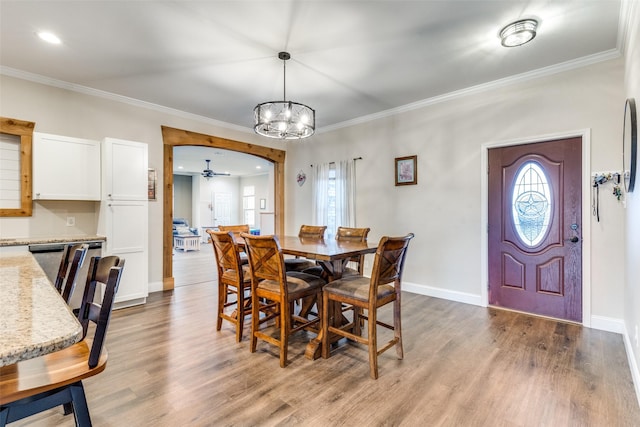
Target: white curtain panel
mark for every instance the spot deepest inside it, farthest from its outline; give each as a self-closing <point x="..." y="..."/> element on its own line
<point x="345" y="194"/>
<point x="345" y="184"/>
<point x="321" y="194"/>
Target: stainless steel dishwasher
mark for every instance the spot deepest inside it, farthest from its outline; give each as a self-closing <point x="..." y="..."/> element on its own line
<point x="49" y="255"/>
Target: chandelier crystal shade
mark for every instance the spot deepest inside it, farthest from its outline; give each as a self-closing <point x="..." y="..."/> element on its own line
<point x="284" y="119"/>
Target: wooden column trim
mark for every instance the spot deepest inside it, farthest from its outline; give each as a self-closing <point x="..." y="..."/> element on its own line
<point x="177" y="137"/>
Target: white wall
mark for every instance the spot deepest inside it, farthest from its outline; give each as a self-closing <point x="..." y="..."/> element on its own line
<point x="632" y="243"/>
<point x="182" y="198"/>
<point x="71" y="113"/>
<point x="444" y="209"/>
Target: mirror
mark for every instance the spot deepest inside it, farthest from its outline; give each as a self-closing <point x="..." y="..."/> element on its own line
<point x="16" y="138"/>
<point x="630" y="145"/>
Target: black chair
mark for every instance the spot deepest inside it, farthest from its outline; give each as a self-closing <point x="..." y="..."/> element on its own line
<point x="72" y="259"/>
<point x="42" y="383"/>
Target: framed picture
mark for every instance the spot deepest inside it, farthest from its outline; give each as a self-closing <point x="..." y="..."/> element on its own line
<point x="406" y="170"/>
<point x="152" y="182"/>
<point x="263" y="203"/>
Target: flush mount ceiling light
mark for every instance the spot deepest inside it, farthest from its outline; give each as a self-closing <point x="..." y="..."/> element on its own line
<point x="519" y="32"/>
<point x="284" y="119"/>
<point x="49" y="37"/>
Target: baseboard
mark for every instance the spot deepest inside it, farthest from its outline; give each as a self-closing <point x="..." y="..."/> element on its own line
<point x="633" y="365"/>
<point x="155" y="287"/>
<point x="447" y="294"/>
<point x="608" y="324"/>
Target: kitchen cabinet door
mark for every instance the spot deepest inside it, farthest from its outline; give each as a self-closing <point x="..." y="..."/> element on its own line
<point x="125" y="167"/>
<point x="127" y="237"/>
<point x="65" y="168"/>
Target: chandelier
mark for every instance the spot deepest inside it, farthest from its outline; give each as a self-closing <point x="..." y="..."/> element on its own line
<point x="284" y="119"/>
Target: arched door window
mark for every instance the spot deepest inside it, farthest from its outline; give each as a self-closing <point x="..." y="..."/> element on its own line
<point x="531" y="203"/>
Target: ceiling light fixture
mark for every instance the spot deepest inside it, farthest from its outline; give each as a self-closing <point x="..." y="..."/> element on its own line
<point x="284" y="119"/>
<point x="519" y="32"/>
<point x="49" y="37"/>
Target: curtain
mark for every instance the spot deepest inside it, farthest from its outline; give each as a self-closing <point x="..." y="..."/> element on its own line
<point x="345" y="194"/>
<point x="344" y="201"/>
<point x="320" y="203"/>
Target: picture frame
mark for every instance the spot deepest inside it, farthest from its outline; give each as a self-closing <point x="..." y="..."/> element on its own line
<point x="263" y="204"/>
<point x="406" y="170"/>
<point x="152" y="179"/>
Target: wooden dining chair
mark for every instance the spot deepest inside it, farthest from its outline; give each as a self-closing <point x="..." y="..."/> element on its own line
<point x="234" y="280"/>
<point x="362" y="293"/>
<point x="35" y="385"/>
<point x="346" y="234"/>
<point x="305" y="232"/>
<point x="72" y="259"/>
<point x="273" y="292"/>
<point x="237" y="230"/>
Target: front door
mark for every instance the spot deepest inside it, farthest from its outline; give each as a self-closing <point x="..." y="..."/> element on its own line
<point x="535" y="243"/>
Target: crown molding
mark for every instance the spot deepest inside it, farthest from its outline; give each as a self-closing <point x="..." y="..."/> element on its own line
<point x="496" y="84"/>
<point x="37" y="78"/>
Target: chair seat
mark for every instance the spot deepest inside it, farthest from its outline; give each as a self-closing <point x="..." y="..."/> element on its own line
<point x="298" y="264"/>
<point x="232" y="275"/>
<point x="317" y="270"/>
<point x="48" y="372"/>
<point x="297" y="283"/>
<point x="357" y="287"/>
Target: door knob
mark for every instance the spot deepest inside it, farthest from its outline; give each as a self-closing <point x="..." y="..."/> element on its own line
<point x="574" y="239"/>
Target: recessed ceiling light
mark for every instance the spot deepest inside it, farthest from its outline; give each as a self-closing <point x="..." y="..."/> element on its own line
<point x="518" y="33"/>
<point x="49" y="37"/>
<point x="180" y="167"/>
<point x="258" y="167"/>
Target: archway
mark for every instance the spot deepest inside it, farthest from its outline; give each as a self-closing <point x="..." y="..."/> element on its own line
<point x="176" y="137"/>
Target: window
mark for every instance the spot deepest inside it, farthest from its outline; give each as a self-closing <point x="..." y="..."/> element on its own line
<point x="531" y="204"/>
<point x="334" y="198"/>
<point x="249" y="205"/>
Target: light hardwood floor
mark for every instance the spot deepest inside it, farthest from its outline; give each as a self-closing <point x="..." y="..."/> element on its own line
<point x="464" y="366"/>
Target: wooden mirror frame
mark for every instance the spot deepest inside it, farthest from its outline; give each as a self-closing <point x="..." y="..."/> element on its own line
<point x="24" y="130"/>
<point x="176" y="137"/>
<point x="630" y="145"/>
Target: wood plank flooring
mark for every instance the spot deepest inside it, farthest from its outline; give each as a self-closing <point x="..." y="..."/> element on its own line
<point x="464" y="366"/>
<point x="193" y="267"/>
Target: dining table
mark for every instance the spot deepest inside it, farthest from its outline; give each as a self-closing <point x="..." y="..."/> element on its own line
<point x="333" y="256"/>
<point x="34" y="319"/>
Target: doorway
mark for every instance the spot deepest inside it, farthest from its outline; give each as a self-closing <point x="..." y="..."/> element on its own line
<point x="535" y="227"/>
<point x="177" y="137"/>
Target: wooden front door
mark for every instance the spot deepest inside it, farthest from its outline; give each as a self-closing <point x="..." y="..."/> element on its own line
<point x="535" y="237"/>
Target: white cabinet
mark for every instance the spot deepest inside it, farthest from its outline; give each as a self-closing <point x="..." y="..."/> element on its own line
<point x="126" y="226"/>
<point x="125" y="168"/>
<point x="124" y="218"/>
<point x="65" y="168"/>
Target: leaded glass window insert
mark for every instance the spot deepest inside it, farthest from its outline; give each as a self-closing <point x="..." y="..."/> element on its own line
<point x="531" y="203"/>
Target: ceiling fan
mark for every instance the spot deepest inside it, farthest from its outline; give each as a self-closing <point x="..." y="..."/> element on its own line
<point x="208" y="173"/>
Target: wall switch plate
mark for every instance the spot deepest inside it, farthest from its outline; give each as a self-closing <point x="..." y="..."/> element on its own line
<point x="71" y="221"/>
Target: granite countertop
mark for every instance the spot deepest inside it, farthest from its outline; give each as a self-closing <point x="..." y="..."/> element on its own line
<point x="24" y="241"/>
<point x="34" y="319"/>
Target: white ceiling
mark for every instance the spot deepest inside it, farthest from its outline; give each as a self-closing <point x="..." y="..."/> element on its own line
<point x="189" y="160"/>
<point x="351" y="60"/>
